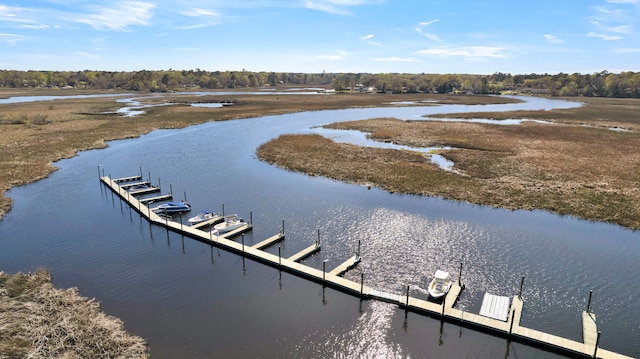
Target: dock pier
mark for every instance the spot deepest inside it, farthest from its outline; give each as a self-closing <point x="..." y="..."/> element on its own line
<point x="332" y="278"/>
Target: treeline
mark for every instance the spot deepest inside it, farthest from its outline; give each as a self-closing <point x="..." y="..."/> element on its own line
<point x="600" y="84"/>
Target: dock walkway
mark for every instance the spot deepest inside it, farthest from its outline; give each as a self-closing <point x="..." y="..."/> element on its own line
<point x="445" y="310"/>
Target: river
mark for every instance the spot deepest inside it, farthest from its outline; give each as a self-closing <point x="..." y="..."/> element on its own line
<point x="190" y="300"/>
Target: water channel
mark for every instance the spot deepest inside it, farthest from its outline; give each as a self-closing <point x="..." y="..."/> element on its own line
<point x="190" y="300"/>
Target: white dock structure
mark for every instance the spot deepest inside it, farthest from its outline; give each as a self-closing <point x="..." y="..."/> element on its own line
<point x="509" y="328"/>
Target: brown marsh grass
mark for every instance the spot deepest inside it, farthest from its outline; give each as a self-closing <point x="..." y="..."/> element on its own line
<point x="577" y="166"/>
<point x="40" y="321"/>
<point x="36" y="134"/>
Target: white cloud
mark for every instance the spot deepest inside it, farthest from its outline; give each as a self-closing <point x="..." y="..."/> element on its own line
<point x="468" y="52"/>
<point x="11" y="39"/>
<point x="368" y="38"/>
<point x="120" y="16"/>
<point x="337" y="7"/>
<point x="397" y="59"/>
<point x="629" y="2"/>
<point x="604" y="36"/>
<point x="627" y="51"/>
<point x="553" y="39"/>
<point x="198" y="12"/>
<point x="427" y="23"/>
<point x="340" y="55"/>
<point x="429" y="36"/>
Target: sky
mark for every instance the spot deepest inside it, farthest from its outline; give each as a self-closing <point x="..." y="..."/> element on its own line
<point x="312" y="36"/>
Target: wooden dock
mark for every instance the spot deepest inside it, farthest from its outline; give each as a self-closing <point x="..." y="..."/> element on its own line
<point x="445" y="310"/>
<point x="160" y="198"/>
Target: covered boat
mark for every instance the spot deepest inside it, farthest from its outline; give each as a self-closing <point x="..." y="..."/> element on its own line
<point x="440" y="284"/>
<point x="173" y="207"/>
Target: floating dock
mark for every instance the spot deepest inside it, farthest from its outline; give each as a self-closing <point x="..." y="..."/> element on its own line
<point x="509" y="328"/>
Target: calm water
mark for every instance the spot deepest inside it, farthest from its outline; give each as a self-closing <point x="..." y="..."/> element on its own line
<point x="194" y="301"/>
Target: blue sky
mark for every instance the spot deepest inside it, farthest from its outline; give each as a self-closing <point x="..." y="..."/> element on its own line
<point x="375" y="36"/>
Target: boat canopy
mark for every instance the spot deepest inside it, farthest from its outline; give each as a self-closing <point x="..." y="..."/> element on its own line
<point x="442" y="275"/>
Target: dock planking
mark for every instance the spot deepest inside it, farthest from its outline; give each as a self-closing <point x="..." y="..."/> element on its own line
<point x="345" y="266"/>
<point x="160" y="198"/>
<point x="208" y="222"/>
<point x="305" y="253"/>
<point x="445" y="310"/>
<point x="269" y="241"/>
<point x="138" y="192"/>
<point x="127" y="179"/>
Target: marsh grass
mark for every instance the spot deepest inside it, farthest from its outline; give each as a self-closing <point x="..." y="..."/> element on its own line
<point x="40" y="321"/>
<point x="577" y="166"/>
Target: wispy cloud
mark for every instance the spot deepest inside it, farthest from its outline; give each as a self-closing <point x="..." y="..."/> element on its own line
<point x="339" y="55"/>
<point x="553" y="39"/>
<point x="420" y="30"/>
<point x="368" y="38"/>
<point x="627" y="51"/>
<point x="338" y="7"/>
<point x="119" y="16"/>
<point x="397" y="59"/>
<point x="604" y="36"/>
<point x="11" y="39"/>
<point x="467" y="52"/>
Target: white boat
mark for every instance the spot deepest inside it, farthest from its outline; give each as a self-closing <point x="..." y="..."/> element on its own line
<point x="440" y="284"/>
<point x="173" y="207"/>
<point x="230" y="223"/>
<point x="202" y="216"/>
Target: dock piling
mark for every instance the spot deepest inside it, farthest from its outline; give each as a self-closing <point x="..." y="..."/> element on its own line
<point x="242" y="242"/>
<point x="521" y="284"/>
<point x="282" y="227"/>
<point x="595" y="350"/>
<point x="324" y="270"/>
<point x="513" y="314"/>
<point x="279" y="255"/>
<point x="406" y="302"/>
<point x="361" y="282"/>
<point x="460" y="275"/>
<point x="250" y="217"/>
<point x="589" y="302"/>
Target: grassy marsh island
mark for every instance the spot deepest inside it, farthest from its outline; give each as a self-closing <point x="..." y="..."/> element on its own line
<point x="585" y="163"/>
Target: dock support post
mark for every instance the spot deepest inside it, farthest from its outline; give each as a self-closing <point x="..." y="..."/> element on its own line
<point x="460" y="275"/>
<point x="521" y="284"/>
<point x="358" y="252"/>
<point x="181" y="230"/>
<point x="185" y="196"/>
<point x="250" y="217"/>
<point x="210" y="236"/>
<point x="282" y="231"/>
<point x="589" y="302"/>
<point x="444" y="301"/>
<point x="242" y="242"/>
<point x="159" y="186"/>
<point x="170" y="189"/>
<point x="223" y="210"/>
<point x="324" y="270"/>
<point x="318" y="240"/>
<point x="595" y="350"/>
<point x="406" y="302"/>
<point x="280" y="256"/>
<point x="361" y="283"/>
<point x="513" y="315"/>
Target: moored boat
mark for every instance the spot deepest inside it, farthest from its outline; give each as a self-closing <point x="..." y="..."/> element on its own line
<point x="230" y="223"/>
<point x="173" y="207"/>
<point x="440" y="284"/>
<point x="201" y="217"/>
